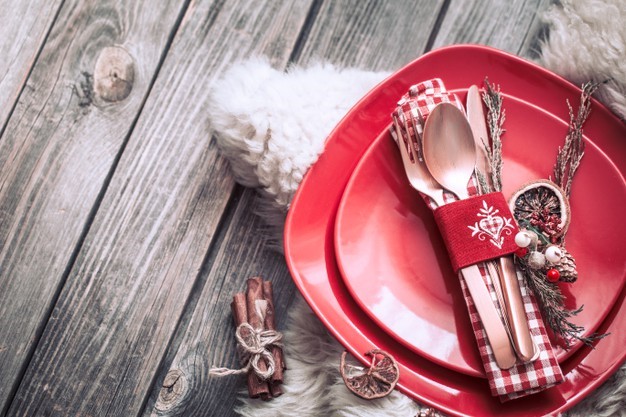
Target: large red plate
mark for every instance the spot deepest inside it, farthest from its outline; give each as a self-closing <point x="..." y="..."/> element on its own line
<point x="395" y="265"/>
<point x="309" y="248"/>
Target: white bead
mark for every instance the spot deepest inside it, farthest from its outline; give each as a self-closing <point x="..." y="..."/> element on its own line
<point x="554" y="254"/>
<point x="522" y="239"/>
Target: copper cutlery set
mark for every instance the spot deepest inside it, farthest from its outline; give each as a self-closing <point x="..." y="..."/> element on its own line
<point x="444" y="156"/>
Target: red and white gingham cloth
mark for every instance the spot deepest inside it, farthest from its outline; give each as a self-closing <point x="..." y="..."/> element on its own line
<point x="523" y="378"/>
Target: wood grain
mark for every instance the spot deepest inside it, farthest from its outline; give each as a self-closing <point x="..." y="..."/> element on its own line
<point x="136" y="270"/>
<point x="370" y="34"/>
<point x="25" y="25"/>
<point x="513" y="26"/>
<point x="56" y="153"/>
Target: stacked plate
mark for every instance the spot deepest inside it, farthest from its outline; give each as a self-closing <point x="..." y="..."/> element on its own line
<point x="365" y="253"/>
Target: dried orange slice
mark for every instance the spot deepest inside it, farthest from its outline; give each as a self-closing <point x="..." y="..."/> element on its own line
<point x="543" y="205"/>
<point x="374" y="382"/>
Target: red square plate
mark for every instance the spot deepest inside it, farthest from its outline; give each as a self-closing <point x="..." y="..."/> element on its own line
<point x="309" y="234"/>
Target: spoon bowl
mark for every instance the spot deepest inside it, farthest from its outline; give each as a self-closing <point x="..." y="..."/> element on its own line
<point x="449" y="149"/>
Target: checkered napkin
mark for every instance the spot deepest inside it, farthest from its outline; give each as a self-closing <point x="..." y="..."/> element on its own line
<point x="523" y="378"/>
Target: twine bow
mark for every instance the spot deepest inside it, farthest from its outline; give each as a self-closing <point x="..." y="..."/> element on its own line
<point x="254" y="344"/>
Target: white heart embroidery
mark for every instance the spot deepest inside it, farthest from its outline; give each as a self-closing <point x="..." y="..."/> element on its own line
<point x="491" y="226"/>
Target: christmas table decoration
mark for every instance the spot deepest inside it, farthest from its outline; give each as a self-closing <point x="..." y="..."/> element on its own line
<point x="377" y="381"/>
<point x="258" y="342"/>
<point x="523" y="378"/>
<point x="542" y="211"/>
<point x="325" y="396"/>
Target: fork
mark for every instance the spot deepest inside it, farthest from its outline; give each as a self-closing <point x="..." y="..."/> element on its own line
<point x="417" y="173"/>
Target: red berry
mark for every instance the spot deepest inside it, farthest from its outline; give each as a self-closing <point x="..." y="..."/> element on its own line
<point x="553" y="275"/>
<point x="521" y="252"/>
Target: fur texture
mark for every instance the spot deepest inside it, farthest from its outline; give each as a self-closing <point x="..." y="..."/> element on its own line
<point x="263" y="122"/>
<point x="271" y="125"/>
<point x="587" y="41"/>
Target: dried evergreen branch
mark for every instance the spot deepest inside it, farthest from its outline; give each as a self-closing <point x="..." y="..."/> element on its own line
<point x="495" y="120"/>
<point x="570" y="155"/>
<point x="554" y="312"/>
<point x="549" y="296"/>
<point x="482" y="181"/>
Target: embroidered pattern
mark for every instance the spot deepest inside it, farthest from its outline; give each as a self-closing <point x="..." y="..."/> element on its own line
<point x="491" y="226"/>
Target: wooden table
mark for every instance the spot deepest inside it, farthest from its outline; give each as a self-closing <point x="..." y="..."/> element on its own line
<point x="123" y="234"/>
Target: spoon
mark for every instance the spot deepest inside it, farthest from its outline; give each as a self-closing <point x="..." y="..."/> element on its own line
<point x="450" y="155"/>
<point x="449" y="149"/>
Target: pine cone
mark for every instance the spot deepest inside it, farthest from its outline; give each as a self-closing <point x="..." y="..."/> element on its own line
<point x="567" y="267"/>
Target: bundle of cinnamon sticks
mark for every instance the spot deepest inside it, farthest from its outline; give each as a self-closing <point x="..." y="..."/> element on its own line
<point x="245" y="308"/>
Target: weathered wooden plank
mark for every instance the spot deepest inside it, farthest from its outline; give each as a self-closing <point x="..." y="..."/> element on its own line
<point x="513" y="26"/>
<point x="56" y="153"/>
<point x="25" y="26"/>
<point x="206" y="338"/>
<point x="140" y="259"/>
<point x="370" y="34"/>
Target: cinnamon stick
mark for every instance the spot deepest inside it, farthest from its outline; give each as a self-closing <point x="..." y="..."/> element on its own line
<point x="256" y="387"/>
<point x="254" y="294"/>
<point x="277" y="352"/>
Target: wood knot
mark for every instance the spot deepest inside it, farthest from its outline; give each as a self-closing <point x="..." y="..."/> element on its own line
<point x="173" y="391"/>
<point x="114" y="74"/>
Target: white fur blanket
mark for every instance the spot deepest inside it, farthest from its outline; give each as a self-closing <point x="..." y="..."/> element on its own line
<point x="270" y="146"/>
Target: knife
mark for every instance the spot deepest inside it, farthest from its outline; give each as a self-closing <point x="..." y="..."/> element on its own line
<point x="476" y="117"/>
<point x="509" y="285"/>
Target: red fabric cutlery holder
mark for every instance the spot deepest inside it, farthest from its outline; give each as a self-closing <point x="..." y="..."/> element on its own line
<point x="477" y="229"/>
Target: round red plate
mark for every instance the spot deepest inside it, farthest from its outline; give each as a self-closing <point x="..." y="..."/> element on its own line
<point x="395" y="265"/>
<point x="310" y="254"/>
